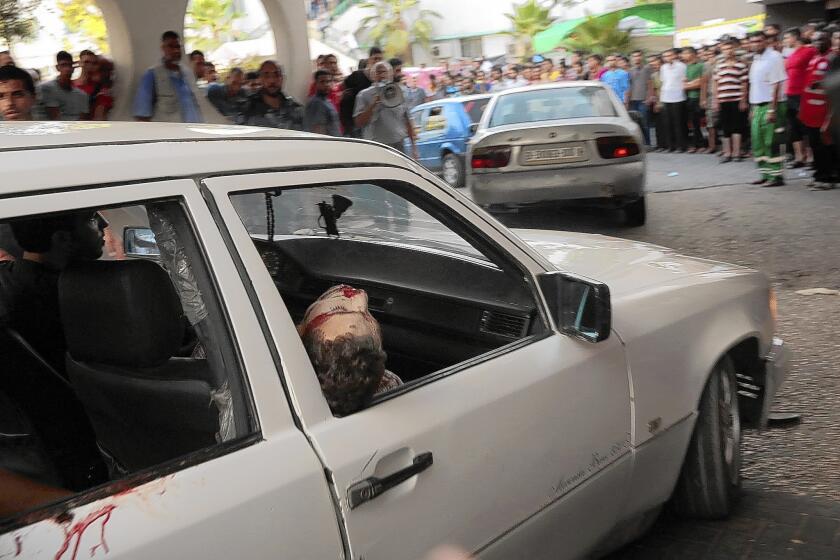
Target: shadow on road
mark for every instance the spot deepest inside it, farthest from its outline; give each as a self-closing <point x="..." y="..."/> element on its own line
<point x="568" y="218"/>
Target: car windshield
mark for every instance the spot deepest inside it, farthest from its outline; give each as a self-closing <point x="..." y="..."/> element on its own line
<point x="552" y="104"/>
<point x="374" y="215"/>
<point x="475" y="108"/>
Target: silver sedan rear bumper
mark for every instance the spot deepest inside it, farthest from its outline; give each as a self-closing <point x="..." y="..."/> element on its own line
<point x="570" y="183"/>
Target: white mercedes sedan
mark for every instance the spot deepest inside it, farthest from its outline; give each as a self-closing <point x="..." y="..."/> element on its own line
<point x="256" y="343"/>
<point x="559" y="142"/>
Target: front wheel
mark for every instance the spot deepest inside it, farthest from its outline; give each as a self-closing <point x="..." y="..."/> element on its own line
<point x="635" y="213"/>
<point x="453" y="170"/>
<point x="710" y="481"/>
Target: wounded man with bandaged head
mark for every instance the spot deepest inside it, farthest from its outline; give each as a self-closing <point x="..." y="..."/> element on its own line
<point x="344" y="342"/>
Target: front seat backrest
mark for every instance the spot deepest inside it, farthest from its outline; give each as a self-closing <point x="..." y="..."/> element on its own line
<point x="123" y="323"/>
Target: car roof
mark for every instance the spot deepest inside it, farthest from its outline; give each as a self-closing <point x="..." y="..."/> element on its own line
<point x="552" y="85"/>
<point x="33" y="135"/>
<point x="55" y="155"/>
<point x="459" y="99"/>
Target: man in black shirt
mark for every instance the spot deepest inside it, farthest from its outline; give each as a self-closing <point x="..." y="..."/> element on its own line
<point x="270" y="106"/>
<point x="30" y="284"/>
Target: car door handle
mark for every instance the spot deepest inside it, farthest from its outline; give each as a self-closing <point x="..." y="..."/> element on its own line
<point x="373" y="487"/>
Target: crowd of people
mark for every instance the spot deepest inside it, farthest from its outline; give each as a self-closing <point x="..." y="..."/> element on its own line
<point x="759" y="96"/>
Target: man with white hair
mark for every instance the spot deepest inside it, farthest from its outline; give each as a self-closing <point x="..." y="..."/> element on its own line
<point x="387" y="125"/>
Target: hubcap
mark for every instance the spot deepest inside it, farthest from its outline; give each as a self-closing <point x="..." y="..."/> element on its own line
<point x="730" y="426"/>
<point x="450" y="171"/>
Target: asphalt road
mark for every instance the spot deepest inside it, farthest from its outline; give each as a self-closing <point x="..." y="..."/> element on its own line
<point x="793" y="235"/>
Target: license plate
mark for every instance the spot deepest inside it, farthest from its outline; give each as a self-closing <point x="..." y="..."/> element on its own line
<point x="558" y="154"/>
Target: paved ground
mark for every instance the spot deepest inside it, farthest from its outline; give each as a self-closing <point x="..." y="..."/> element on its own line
<point x="792" y="505"/>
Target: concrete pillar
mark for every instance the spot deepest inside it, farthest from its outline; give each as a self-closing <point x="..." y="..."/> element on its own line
<point x="134" y="30"/>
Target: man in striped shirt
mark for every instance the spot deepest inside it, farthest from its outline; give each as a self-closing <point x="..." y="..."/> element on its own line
<point x="730" y="100"/>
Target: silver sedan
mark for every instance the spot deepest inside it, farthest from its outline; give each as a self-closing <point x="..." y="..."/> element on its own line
<point x="563" y="141"/>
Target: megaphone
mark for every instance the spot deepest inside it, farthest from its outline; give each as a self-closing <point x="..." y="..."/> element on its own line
<point x="391" y="95"/>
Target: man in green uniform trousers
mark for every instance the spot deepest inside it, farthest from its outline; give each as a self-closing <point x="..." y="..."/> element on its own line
<point x="767" y="77"/>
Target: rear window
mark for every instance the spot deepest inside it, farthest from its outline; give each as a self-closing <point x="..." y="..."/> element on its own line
<point x="475" y="108"/>
<point x="552" y="104"/>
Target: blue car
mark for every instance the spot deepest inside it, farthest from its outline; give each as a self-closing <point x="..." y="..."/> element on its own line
<point x="442" y="128"/>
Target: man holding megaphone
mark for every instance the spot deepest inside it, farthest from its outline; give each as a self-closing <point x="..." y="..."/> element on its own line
<point x="381" y="110"/>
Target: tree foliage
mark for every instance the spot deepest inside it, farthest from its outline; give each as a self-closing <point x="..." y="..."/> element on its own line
<point x="17" y="22"/>
<point x="532" y="17"/>
<point x="210" y="24"/>
<point x="83" y="18"/>
<point x="396" y="24"/>
<point x="599" y="34"/>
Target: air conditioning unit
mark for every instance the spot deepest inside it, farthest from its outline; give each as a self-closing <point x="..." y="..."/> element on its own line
<point x="441" y="50"/>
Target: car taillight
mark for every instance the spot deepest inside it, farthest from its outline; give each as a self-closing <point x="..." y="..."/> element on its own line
<point x="615" y="147"/>
<point x="491" y="158"/>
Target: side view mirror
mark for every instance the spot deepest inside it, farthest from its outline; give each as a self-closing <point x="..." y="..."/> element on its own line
<point x="580" y="307"/>
<point x="473" y="128"/>
<point x="140" y="242"/>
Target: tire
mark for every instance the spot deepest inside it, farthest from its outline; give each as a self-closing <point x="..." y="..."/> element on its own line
<point x="635" y="213"/>
<point x="710" y="481"/>
<point x="452" y="170"/>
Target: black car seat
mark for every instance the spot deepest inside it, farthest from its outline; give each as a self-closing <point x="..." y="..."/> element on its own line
<point x="124" y="323"/>
<point x="59" y="447"/>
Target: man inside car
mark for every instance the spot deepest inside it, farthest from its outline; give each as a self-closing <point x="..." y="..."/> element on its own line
<point x="30" y="284"/>
<point x="344" y="342"/>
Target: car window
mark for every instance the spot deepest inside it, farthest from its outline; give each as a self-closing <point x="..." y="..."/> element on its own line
<point x="552" y="104"/>
<point x="435" y="297"/>
<point x="436" y="121"/>
<point x="373" y="213"/>
<point x="475" y="108"/>
<point x="115" y="361"/>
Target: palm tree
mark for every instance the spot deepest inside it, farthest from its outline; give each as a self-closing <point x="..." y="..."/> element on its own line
<point x="599" y="34"/>
<point x="396" y="30"/>
<point x="209" y="23"/>
<point x="532" y="17"/>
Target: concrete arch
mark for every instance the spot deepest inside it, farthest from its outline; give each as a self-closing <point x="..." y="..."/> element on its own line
<point x="135" y="27"/>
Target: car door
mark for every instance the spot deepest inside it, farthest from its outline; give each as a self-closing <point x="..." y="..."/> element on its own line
<point x="418" y="117"/>
<point x="521" y="452"/>
<point x="237" y="498"/>
<point x="435" y="129"/>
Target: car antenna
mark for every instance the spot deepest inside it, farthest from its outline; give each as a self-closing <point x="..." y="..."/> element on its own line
<point x="330" y="213"/>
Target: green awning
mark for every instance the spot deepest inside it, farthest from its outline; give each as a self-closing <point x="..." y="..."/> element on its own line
<point x="660" y="18"/>
<point x="549" y="39"/>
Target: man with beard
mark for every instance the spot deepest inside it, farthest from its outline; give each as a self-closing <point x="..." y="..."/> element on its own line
<point x="270" y="106"/>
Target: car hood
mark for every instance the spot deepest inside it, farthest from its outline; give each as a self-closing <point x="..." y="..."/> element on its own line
<point x="623" y="265"/>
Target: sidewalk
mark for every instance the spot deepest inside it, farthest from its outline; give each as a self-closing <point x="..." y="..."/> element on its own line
<point x="766" y="526"/>
<point x="696" y="171"/>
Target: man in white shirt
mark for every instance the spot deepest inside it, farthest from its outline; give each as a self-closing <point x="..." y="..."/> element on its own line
<point x="767" y="76"/>
<point x="673" y="99"/>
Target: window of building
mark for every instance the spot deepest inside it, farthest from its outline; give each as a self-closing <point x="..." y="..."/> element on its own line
<point x="471" y="47"/>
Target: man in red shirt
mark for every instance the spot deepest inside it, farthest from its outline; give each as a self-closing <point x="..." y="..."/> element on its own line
<point x="797" y="66"/>
<point x="88" y="62"/>
<point x="814" y="114"/>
